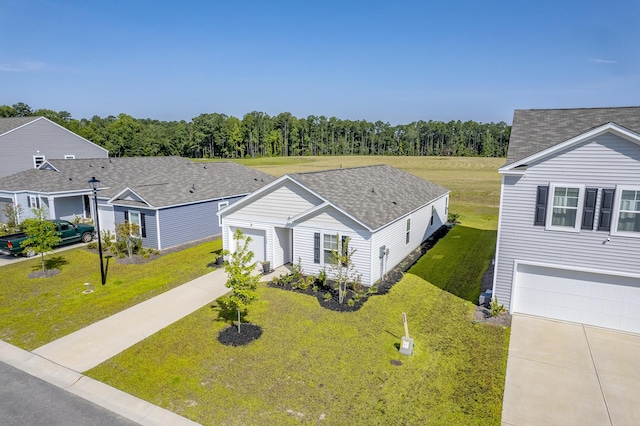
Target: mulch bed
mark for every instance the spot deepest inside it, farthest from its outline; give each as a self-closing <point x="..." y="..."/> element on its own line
<point x="248" y="333"/>
<point x="46" y="274"/>
<point x="383" y="287"/>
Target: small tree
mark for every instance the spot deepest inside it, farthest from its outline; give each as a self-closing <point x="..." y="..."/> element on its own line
<point x="12" y="212"/>
<point x="238" y="268"/>
<point x="342" y="267"/>
<point x="127" y="235"/>
<point x="42" y="235"/>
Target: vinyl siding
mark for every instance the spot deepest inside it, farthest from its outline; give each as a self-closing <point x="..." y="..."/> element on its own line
<point x="603" y="162"/>
<point x="18" y="147"/>
<point x="151" y="240"/>
<point x="282" y="202"/>
<point x="393" y="236"/>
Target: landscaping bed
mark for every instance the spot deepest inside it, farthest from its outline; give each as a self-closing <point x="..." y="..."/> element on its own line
<point x="327" y="293"/>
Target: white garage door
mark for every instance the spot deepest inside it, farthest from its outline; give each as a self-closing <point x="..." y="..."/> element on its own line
<point x="107" y="221"/>
<point x="603" y="300"/>
<point x="257" y="244"/>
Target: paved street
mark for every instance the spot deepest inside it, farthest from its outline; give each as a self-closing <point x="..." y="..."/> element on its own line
<point x="27" y="400"/>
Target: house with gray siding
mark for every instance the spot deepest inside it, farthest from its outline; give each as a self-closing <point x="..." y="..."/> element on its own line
<point x="27" y="142"/>
<point x="172" y="200"/>
<point x="384" y="212"/>
<point x="569" y="226"/>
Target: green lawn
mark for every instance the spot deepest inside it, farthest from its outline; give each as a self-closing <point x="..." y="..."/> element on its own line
<point x="312" y="364"/>
<point x="39" y="310"/>
<point x="474" y="181"/>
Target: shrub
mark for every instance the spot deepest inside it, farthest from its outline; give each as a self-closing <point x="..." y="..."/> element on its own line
<point x="322" y="277"/>
<point x="350" y="302"/>
<point x="327" y="296"/>
<point x="496" y="308"/>
<point x="453" y="218"/>
<point x="315" y="288"/>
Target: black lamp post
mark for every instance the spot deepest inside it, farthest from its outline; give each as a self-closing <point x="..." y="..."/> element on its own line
<point x="94" y="186"/>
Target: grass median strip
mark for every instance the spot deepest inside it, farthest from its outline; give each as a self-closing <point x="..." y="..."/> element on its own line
<point x="313" y="364"/>
<point x="35" y="311"/>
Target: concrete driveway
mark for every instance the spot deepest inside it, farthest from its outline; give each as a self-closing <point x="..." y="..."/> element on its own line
<point x="562" y="373"/>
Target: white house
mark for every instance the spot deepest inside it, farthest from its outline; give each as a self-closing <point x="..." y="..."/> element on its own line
<point x="569" y="229"/>
<point x="385" y="212"/>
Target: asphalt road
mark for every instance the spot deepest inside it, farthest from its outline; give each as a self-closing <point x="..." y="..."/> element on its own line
<point x="27" y="400"/>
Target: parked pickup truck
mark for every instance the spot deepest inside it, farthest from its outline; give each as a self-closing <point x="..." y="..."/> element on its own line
<point x="68" y="232"/>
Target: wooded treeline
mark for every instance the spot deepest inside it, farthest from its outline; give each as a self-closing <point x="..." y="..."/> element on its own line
<point x="259" y="135"/>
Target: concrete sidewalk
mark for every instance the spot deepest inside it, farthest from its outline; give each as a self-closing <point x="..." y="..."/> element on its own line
<point x="92" y="345"/>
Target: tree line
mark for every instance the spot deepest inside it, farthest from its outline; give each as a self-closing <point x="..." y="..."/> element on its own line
<point x="258" y="134"/>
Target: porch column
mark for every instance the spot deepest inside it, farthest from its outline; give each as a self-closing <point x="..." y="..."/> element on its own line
<point x="52" y="207"/>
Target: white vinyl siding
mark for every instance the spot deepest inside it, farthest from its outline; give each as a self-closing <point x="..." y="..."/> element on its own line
<point x="606" y="161"/>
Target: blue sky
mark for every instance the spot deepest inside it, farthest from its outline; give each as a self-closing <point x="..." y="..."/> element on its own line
<point x="394" y="61"/>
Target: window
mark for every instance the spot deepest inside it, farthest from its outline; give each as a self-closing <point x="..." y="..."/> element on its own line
<point x="433" y="213"/>
<point x="565" y="204"/>
<point x="221" y="206"/>
<point x="69" y="157"/>
<point x="330" y="244"/>
<point x="33" y="202"/>
<point x="407" y="237"/>
<point x="38" y="160"/>
<point x="629" y="211"/>
<point x="134" y="219"/>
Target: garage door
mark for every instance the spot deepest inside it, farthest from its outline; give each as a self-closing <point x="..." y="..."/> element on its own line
<point x="602" y="300"/>
<point x="107" y="222"/>
<point x="257" y="244"/>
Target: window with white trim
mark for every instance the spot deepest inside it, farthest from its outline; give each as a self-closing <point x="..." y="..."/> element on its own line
<point x="628" y="215"/>
<point x="566" y="207"/>
<point x="38" y="160"/>
<point x="221" y="206"/>
<point x="134" y="219"/>
<point x="407" y="237"/>
<point x="330" y="243"/>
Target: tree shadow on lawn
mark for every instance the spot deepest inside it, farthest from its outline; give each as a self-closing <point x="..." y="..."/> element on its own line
<point x="458" y="262"/>
<point x="52" y="262"/>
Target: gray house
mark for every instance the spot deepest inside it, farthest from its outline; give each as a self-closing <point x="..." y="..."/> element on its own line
<point x="171" y="199"/>
<point x="386" y="213"/>
<point x="26" y="142"/>
<point x="569" y="228"/>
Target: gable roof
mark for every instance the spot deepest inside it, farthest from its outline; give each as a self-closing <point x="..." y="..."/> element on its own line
<point x="373" y="195"/>
<point x="11" y="123"/>
<point x="535" y="130"/>
<point x="160" y="181"/>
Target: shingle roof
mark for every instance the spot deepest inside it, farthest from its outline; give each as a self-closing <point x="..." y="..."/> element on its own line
<point x="535" y="130"/>
<point x="375" y="195"/>
<point x="161" y="181"/>
<point x="10" y="123"/>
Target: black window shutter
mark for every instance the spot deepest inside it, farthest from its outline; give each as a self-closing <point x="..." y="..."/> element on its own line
<point x="126" y="216"/>
<point x="29" y="202"/>
<point x="143" y="225"/>
<point x="588" y="215"/>
<point x="541" y="206"/>
<point x="606" y="208"/>
<point x="316" y="247"/>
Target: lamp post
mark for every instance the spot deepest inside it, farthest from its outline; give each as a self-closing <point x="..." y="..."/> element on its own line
<point x="93" y="183"/>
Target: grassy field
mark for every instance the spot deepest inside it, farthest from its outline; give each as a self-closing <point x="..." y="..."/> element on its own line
<point x="35" y="311"/>
<point x="312" y="365"/>
<point x="474" y="181"/>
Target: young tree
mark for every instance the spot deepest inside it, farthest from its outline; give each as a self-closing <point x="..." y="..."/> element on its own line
<point x="42" y="235"/>
<point x="127" y="234"/>
<point x="238" y="268"/>
<point x="342" y="268"/>
<point x="13" y="212"/>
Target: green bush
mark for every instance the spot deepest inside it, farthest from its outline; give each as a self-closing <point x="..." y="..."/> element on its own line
<point x="327" y="296"/>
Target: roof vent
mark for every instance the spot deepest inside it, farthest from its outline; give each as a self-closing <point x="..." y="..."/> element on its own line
<point x="204" y="167"/>
<point x="394" y="203"/>
<point x="70" y="178"/>
<point x="373" y="190"/>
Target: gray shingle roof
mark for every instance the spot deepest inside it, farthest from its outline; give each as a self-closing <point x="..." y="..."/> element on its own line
<point x="10" y="123"/>
<point x="375" y="195"/>
<point x="535" y="130"/>
<point x="161" y="181"/>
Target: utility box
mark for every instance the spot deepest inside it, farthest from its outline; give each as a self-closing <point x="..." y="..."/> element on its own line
<point x="406" y="345"/>
<point x="485" y="298"/>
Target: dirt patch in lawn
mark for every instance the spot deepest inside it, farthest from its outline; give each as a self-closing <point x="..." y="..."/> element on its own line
<point x="46" y="274"/>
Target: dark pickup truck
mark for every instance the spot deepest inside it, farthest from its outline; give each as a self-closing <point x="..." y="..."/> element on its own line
<point x="68" y="232"/>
